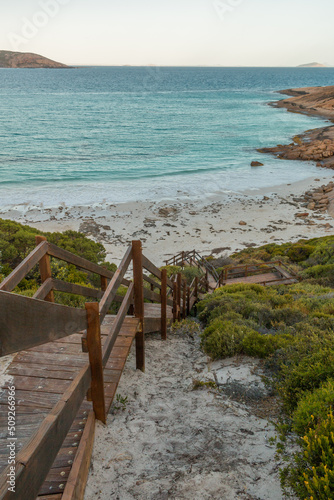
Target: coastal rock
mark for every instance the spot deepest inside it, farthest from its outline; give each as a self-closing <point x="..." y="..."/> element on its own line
<point x="302" y="215"/>
<point x="256" y="164"/>
<point x="167" y="211"/>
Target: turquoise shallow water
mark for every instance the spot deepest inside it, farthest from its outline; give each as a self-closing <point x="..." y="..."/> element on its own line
<point x="87" y="135"/>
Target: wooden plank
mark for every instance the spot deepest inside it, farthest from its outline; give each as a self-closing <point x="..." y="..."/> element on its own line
<point x="152" y="325"/>
<point x="175" y="296"/>
<point x="95" y="360"/>
<point x="138" y="264"/>
<point x="111" y="376"/>
<point x="80" y="262"/>
<point x="59" y="348"/>
<point x="35" y="460"/>
<point x="45" y="268"/>
<point x="114" y="284"/>
<point x="163" y="304"/>
<point x="117" y="324"/>
<point x="76" y="483"/>
<point x="39" y="384"/>
<point x="32" y="398"/>
<point x="85" y="291"/>
<point x="151" y="281"/>
<point x="184" y="300"/>
<point x="44" y="290"/>
<point x="57" y="496"/>
<point x="35" y="370"/>
<point x="70" y="362"/>
<point x="26" y="322"/>
<point x="9" y="283"/>
<point x="148" y="294"/>
<point x="55" y="481"/>
<point x="104" y="283"/>
<point x="179" y="293"/>
<point x="149" y="266"/>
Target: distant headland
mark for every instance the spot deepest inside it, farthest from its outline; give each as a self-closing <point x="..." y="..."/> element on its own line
<point x="313" y="65"/>
<point x="10" y="59"/>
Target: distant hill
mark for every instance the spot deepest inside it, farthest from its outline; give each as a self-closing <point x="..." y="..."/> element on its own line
<point x="313" y="65"/>
<point x="10" y="59"/>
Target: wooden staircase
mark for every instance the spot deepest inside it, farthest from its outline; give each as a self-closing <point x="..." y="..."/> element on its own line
<point x="69" y="362"/>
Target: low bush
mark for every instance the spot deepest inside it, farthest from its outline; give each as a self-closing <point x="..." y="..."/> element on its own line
<point x="313" y="408"/>
<point x="291" y="327"/>
<point x="311" y="473"/>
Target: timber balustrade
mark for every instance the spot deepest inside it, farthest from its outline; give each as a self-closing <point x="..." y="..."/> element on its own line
<point x="193" y="258"/>
<point x="30" y="322"/>
<point x="275" y="272"/>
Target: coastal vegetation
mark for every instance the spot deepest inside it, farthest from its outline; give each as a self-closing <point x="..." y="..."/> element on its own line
<point x="291" y="329"/>
<point x="18" y="240"/>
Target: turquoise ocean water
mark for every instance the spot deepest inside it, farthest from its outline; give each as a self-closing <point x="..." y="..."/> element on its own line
<point x="88" y="135"/>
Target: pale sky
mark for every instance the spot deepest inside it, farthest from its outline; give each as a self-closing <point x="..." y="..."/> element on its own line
<point x="171" y="32"/>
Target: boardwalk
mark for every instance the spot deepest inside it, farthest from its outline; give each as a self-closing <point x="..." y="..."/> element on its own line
<point x="63" y="380"/>
<point x="41" y="375"/>
<point x="69" y="360"/>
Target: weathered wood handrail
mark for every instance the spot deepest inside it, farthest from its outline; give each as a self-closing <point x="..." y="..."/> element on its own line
<point x="117" y="324"/>
<point x="27" y="322"/>
<point x="114" y="284"/>
<point x="21" y="271"/>
<point x="35" y="459"/>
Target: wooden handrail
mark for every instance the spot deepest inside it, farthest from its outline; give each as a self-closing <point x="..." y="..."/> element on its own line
<point x="117" y="324"/>
<point x="85" y="291"/>
<point x="21" y="271"/>
<point x="149" y="266"/>
<point x="80" y="262"/>
<point x="44" y="289"/>
<point x="114" y="284"/>
<point x="27" y="322"/>
<point x="152" y="281"/>
<point x="35" y="459"/>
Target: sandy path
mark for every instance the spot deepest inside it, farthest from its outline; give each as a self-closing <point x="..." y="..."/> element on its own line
<point x="172" y="442"/>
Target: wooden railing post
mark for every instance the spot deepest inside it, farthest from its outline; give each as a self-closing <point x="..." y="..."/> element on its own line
<point x="179" y="288"/>
<point x="188" y="300"/>
<point x="138" y="282"/>
<point x="175" y="295"/>
<point x="95" y="360"/>
<point x="45" y="269"/>
<point x="184" y="304"/>
<point x="206" y="280"/>
<point x="104" y="283"/>
<point x="164" y="304"/>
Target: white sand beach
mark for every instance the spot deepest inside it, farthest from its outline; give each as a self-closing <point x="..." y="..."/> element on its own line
<point x="209" y="226"/>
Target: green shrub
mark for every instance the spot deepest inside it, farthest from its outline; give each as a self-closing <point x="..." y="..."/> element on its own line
<point x="304" y="376"/>
<point x="261" y="346"/>
<point x="310" y="475"/>
<point x="223" y="338"/>
<point x="189" y="273"/>
<point x="313" y="407"/>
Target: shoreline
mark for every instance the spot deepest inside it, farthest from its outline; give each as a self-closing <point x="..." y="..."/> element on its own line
<point x="211" y="226"/>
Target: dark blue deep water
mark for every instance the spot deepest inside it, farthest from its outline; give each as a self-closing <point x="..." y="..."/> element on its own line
<point x="87" y="135"/>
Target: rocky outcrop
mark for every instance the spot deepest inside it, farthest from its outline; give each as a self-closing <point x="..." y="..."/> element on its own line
<point x="26" y="60"/>
<point x="256" y="164"/>
<point x="320" y="198"/>
<point x="318" y="101"/>
<point x="315" y="145"/>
